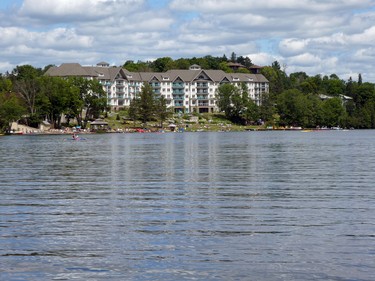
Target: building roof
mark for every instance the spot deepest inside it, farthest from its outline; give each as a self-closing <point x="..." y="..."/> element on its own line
<point x="68" y="69"/>
<point x="112" y="73"/>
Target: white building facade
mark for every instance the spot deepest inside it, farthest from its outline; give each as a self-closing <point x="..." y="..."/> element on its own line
<point x="192" y="90"/>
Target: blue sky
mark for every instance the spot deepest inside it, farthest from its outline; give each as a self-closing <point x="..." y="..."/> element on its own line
<point x="314" y="36"/>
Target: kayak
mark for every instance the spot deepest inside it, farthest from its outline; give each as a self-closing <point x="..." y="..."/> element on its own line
<point x="77" y="139"/>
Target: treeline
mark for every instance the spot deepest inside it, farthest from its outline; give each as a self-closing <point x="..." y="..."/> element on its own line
<point x="27" y="95"/>
<point x="297" y="99"/>
<point x="207" y="62"/>
<point x="310" y="101"/>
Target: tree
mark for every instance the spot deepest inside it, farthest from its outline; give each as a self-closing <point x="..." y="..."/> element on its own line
<point x="11" y="109"/>
<point x="333" y="85"/>
<point x="137" y="67"/>
<point x="162" y="64"/>
<point x="28" y="90"/>
<point x="56" y="93"/>
<point x="133" y="110"/>
<point x="224" y="67"/>
<point x="277" y="78"/>
<point x="235" y="103"/>
<point x="292" y="106"/>
<point x="143" y="107"/>
<point x="182" y="63"/>
<point x="26" y="72"/>
<point x="245" y="61"/>
<point x="5" y="84"/>
<point x="162" y="111"/>
<point x="93" y="99"/>
<point x="333" y="112"/>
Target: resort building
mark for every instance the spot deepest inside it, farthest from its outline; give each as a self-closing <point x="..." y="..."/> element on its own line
<point x="191" y="90"/>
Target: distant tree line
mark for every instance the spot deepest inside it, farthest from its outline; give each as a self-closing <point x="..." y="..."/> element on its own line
<point x="27" y="95"/>
<point x="310" y="101"/>
<point x="208" y="62"/>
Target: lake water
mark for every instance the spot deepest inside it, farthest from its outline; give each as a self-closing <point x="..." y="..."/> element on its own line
<point x="188" y="206"/>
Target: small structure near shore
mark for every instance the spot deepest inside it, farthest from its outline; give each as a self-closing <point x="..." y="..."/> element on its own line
<point x="99" y="125"/>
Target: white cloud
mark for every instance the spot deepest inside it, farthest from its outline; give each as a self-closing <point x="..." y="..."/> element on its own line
<point x="263" y="59"/>
<point x="293" y="46"/>
<point x="76" y="10"/>
<point x="305" y="35"/>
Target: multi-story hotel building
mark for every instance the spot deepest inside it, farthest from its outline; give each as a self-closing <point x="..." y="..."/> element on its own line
<point x="186" y="91"/>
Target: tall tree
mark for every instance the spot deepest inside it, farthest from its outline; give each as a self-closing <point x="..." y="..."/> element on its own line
<point x="359" y="79"/>
<point x="245" y="61"/>
<point x="93" y="99"/>
<point x="143" y="107"/>
<point x="56" y="93"/>
<point x="333" y="112"/>
<point x="162" y="111"/>
<point x="235" y="103"/>
<point x="11" y="109"/>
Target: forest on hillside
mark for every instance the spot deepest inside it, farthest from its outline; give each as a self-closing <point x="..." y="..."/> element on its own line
<point x="294" y="99"/>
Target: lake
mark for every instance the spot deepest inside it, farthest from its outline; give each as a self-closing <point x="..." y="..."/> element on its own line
<point x="188" y="206"/>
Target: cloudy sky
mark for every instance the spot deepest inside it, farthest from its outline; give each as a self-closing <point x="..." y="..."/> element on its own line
<point x="314" y="36"/>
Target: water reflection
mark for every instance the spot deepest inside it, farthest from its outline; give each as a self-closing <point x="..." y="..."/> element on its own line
<point x="207" y="206"/>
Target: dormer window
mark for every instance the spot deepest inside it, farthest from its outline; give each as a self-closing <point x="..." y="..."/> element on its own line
<point x="166" y="78"/>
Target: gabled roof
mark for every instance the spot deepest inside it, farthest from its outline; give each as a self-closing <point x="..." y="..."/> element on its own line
<point x="112" y="73"/>
<point x="68" y="69"/>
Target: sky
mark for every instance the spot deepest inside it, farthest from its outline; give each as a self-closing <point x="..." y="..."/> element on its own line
<point x="312" y="36"/>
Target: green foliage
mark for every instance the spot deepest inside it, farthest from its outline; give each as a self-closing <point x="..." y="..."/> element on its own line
<point x="277" y="78"/>
<point x="162" y="112"/>
<point x="333" y="112"/>
<point x="292" y="108"/>
<point x="144" y="106"/>
<point x="11" y="109"/>
<point x="235" y="103"/>
<point x="91" y="99"/>
<point x="137" y="67"/>
<point x="206" y="62"/>
<point x="162" y="64"/>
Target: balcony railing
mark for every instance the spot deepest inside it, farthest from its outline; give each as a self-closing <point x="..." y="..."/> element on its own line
<point x="202" y="97"/>
<point x="178" y="91"/>
<point x="178" y="85"/>
<point x="202" y="85"/>
<point x="178" y="97"/>
<point x="203" y="104"/>
<point x="200" y="91"/>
